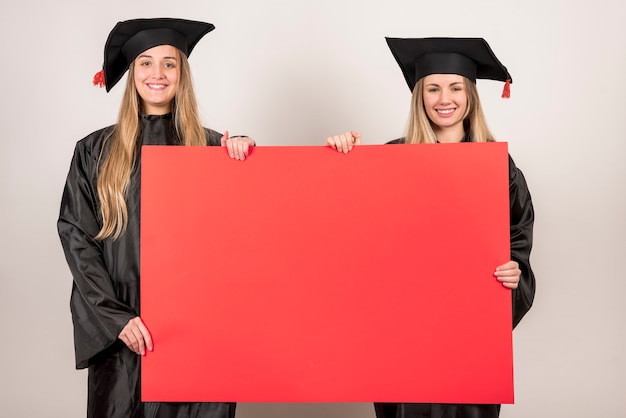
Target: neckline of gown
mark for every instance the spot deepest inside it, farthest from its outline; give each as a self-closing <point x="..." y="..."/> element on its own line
<point x="156" y="117"/>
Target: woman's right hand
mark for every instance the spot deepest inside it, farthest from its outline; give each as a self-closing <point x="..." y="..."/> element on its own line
<point x="136" y="336"/>
<point x="345" y="142"/>
<point x="238" y="146"/>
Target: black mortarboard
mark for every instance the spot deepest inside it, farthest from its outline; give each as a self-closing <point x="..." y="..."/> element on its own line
<point x="130" y="38"/>
<point x="469" y="57"/>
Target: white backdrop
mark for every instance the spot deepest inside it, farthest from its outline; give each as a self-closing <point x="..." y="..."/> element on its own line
<point x="292" y="73"/>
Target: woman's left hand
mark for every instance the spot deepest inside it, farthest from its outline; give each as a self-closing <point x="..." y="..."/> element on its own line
<point x="238" y="147"/>
<point x="345" y="142"/>
<point x="508" y="274"/>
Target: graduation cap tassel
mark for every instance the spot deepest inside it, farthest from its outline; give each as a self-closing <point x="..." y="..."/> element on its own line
<point x="98" y="79"/>
<point x="506" y="91"/>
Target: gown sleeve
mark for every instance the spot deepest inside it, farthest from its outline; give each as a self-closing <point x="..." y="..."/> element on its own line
<point x="214" y="138"/>
<point x="97" y="314"/>
<point x="522" y="219"/>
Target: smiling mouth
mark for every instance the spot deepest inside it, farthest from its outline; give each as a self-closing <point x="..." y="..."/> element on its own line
<point x="157" y="86"/>
<point x="445" y="111"/>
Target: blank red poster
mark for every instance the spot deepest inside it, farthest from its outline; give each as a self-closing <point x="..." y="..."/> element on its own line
<point x="303" y="274"/>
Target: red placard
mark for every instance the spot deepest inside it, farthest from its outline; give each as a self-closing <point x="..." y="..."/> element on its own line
<point x="302" y="274"/>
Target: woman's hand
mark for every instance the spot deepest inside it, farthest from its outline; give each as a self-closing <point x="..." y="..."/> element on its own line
<point x="345" y="142"/>
<point x="136" y="336"/>
<point x="508" y="274"/>
<point x="238" y="146"/>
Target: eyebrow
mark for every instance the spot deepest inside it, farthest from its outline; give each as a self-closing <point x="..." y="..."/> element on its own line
<point x="150" y="56"/>
<point x="437" y="85"/>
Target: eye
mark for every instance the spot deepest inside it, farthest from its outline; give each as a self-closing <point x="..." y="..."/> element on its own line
<point x="144" y="63"/>
<point x="433" y="90"/>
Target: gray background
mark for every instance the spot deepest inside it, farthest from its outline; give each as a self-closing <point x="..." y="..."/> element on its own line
<point x="290" y="73"/>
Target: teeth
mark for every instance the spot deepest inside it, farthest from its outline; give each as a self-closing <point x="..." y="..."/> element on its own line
<point x="445" y="111"/>
<point x="157" y="86"/>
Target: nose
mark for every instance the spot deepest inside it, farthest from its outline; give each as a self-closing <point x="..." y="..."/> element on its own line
<point x="444" y="97"/>
<point x="157" y="71"/>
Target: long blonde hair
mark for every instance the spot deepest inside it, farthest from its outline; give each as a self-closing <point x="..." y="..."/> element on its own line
<point x="114" y="177"/>
<point x="419" y="127"/>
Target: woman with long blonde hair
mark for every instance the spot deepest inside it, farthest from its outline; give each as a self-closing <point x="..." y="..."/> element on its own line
<point x="99" y="218"/>
<point x="445" y="108"/>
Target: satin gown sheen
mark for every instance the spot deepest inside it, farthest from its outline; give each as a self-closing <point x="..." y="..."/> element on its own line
<point x="105" y="291"/>
<point x="522" y="219"/>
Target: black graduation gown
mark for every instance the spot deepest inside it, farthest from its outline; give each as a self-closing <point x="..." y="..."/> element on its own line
<point x="521" y="220"/>
<point x="105" y="290"/>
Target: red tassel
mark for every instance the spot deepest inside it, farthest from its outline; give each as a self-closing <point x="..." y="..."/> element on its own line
<point x="506" y="91"/>
<point x="98" y="79"/>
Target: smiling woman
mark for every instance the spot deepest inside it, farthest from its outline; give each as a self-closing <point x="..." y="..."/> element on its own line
<point x="100" y="211"/>
<point x="156" y="73"/>
<point x="445" y="107"/>
<point x="445" y="102"/>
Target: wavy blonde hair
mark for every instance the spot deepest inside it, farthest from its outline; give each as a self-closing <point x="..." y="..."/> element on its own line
<point x="419" y="127"/>
<point x="114" y="176"/>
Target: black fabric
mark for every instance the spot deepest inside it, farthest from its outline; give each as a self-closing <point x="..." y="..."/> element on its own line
<point x="150" y="38"/>
<point x="445" y="63"/>
<point x="469" y="57"/>
<point x="131" y="37"/>
<point x="418" y="410"/>
<point x="105" y="290"/>
<point x="521" y="231"/>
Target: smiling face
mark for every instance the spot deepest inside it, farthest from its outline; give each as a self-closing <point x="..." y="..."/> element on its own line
<point x="445" y="102"/>
<point x="156" y="73"/>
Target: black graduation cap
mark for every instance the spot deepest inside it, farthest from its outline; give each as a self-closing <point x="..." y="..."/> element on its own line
<point x="469" y="57"/>
<point x="130" y="38"/>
